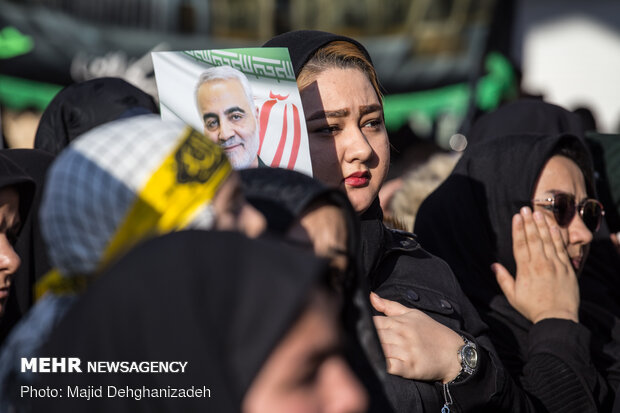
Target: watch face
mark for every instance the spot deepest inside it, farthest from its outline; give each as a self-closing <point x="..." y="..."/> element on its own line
<point x="470" y="356"/>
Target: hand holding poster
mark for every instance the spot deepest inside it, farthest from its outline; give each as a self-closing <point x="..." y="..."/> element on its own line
<point x="244" y="99"/>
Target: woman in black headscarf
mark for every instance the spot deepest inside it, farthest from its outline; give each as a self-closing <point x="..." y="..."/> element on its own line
<point x="432" y="322"/>
<point x="303" y="210"/>
<point x="482" y="215"/>
<point x="29" y="244"/>
<point x="254" y="321"/>
<point x="83" y="106"/>
<point x="598" y="282"/>
<point x="17" y="191"/>
<point x="306" y="213"/>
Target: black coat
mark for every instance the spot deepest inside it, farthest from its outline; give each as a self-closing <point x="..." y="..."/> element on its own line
<point x="399" y="269"/>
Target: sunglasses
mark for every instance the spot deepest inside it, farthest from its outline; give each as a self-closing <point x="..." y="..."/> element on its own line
<point x="564" y="208"/>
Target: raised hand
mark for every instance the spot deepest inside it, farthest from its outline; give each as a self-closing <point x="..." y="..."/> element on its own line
<point x="545" y="285"/>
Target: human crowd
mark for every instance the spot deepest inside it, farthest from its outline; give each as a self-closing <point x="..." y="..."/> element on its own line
<point x="124" y="237"/>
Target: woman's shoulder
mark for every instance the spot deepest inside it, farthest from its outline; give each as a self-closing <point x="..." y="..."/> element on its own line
<point x="405" y="262"/>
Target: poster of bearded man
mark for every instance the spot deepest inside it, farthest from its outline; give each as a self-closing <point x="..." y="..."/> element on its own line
<point x="246" y="100"/>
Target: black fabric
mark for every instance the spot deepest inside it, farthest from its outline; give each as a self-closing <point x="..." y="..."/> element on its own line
<point x="80" y="107"/>
<point x="29" y="246"/>
<point x="302" y="44"/>
<point x="526" y="116"/>
<point x="13" y="175"/>
<point x="217" y="300"/>
<point x="282" y="196"/>
<point x="605" y="149"/>
<point x="467" y="222"/>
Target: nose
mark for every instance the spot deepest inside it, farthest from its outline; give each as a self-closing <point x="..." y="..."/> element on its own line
<point x="357" y="146"/>
<point x="9" y="260"/>
<point x="341" y="391"/>
<point x="578" y="233"/>
<point x="226" y="131"/>
<point x="251" y="222"/>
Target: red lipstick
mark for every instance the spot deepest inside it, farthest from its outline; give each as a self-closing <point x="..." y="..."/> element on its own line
<point x="357" y="179"/>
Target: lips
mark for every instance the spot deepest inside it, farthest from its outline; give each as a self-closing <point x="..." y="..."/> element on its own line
<point x="576" y="261"/>
<point x="231" y="148"/>
<point x="357" y="179"/>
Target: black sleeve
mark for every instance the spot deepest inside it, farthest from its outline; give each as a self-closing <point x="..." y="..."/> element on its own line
<point x="557" y="376"/>
<point x="559" y="371"/>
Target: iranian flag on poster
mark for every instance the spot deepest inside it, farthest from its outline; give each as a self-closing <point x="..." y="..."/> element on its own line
<point x="245" y="99"/>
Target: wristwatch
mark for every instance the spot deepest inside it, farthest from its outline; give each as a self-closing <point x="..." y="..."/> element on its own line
<point x="468" y="357"/>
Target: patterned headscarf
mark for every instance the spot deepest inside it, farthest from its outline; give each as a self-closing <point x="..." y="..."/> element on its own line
<point x="120" y="183"/>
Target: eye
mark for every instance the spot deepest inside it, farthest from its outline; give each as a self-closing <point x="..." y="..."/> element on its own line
<point x="373" y="123"/>
<point x="212" y="124"/>
<point x="309" y="377"/>
<point x="326" y="130"/>
<point x="236" y="116"/>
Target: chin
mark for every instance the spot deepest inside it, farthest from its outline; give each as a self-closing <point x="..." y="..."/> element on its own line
<point x="360" y="202"/>
<point x="240" y="161"/>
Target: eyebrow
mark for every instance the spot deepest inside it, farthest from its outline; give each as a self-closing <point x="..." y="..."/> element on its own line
<point x="226" y="112"/>
<point x="341" y="113"/>
<point x="365" y="110"/>
<point x="233" y="110"/>
<point x="324" y="114"/>
<point x="209" y="115"/>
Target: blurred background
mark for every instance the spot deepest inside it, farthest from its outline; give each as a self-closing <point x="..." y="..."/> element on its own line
<point x="441" y="63"/>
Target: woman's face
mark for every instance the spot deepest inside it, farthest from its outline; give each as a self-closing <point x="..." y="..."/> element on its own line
<point x="323" y="228"/>
<point x="306" y="372"/>
<point x="233" y="213"/>
<point x="9" y="226"/>
<point x="561" y="174"/>
<point x="349" y="145"/>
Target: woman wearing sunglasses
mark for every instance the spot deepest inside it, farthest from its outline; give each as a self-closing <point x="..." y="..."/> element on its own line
<point x="514" y="221"/>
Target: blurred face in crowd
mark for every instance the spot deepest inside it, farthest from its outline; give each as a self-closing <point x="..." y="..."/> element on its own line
<point x="349" y="144"/>
<point x="230" y="120"/>
<point x="232" y="211"/>
<point x="306" y="373"/>
<point x="561" y="175"/>
<point x="9" y="227"/>
<point x="323" y="229"/>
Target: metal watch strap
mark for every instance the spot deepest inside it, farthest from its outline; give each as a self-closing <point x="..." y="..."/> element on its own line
<point x="466" y="370"/>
